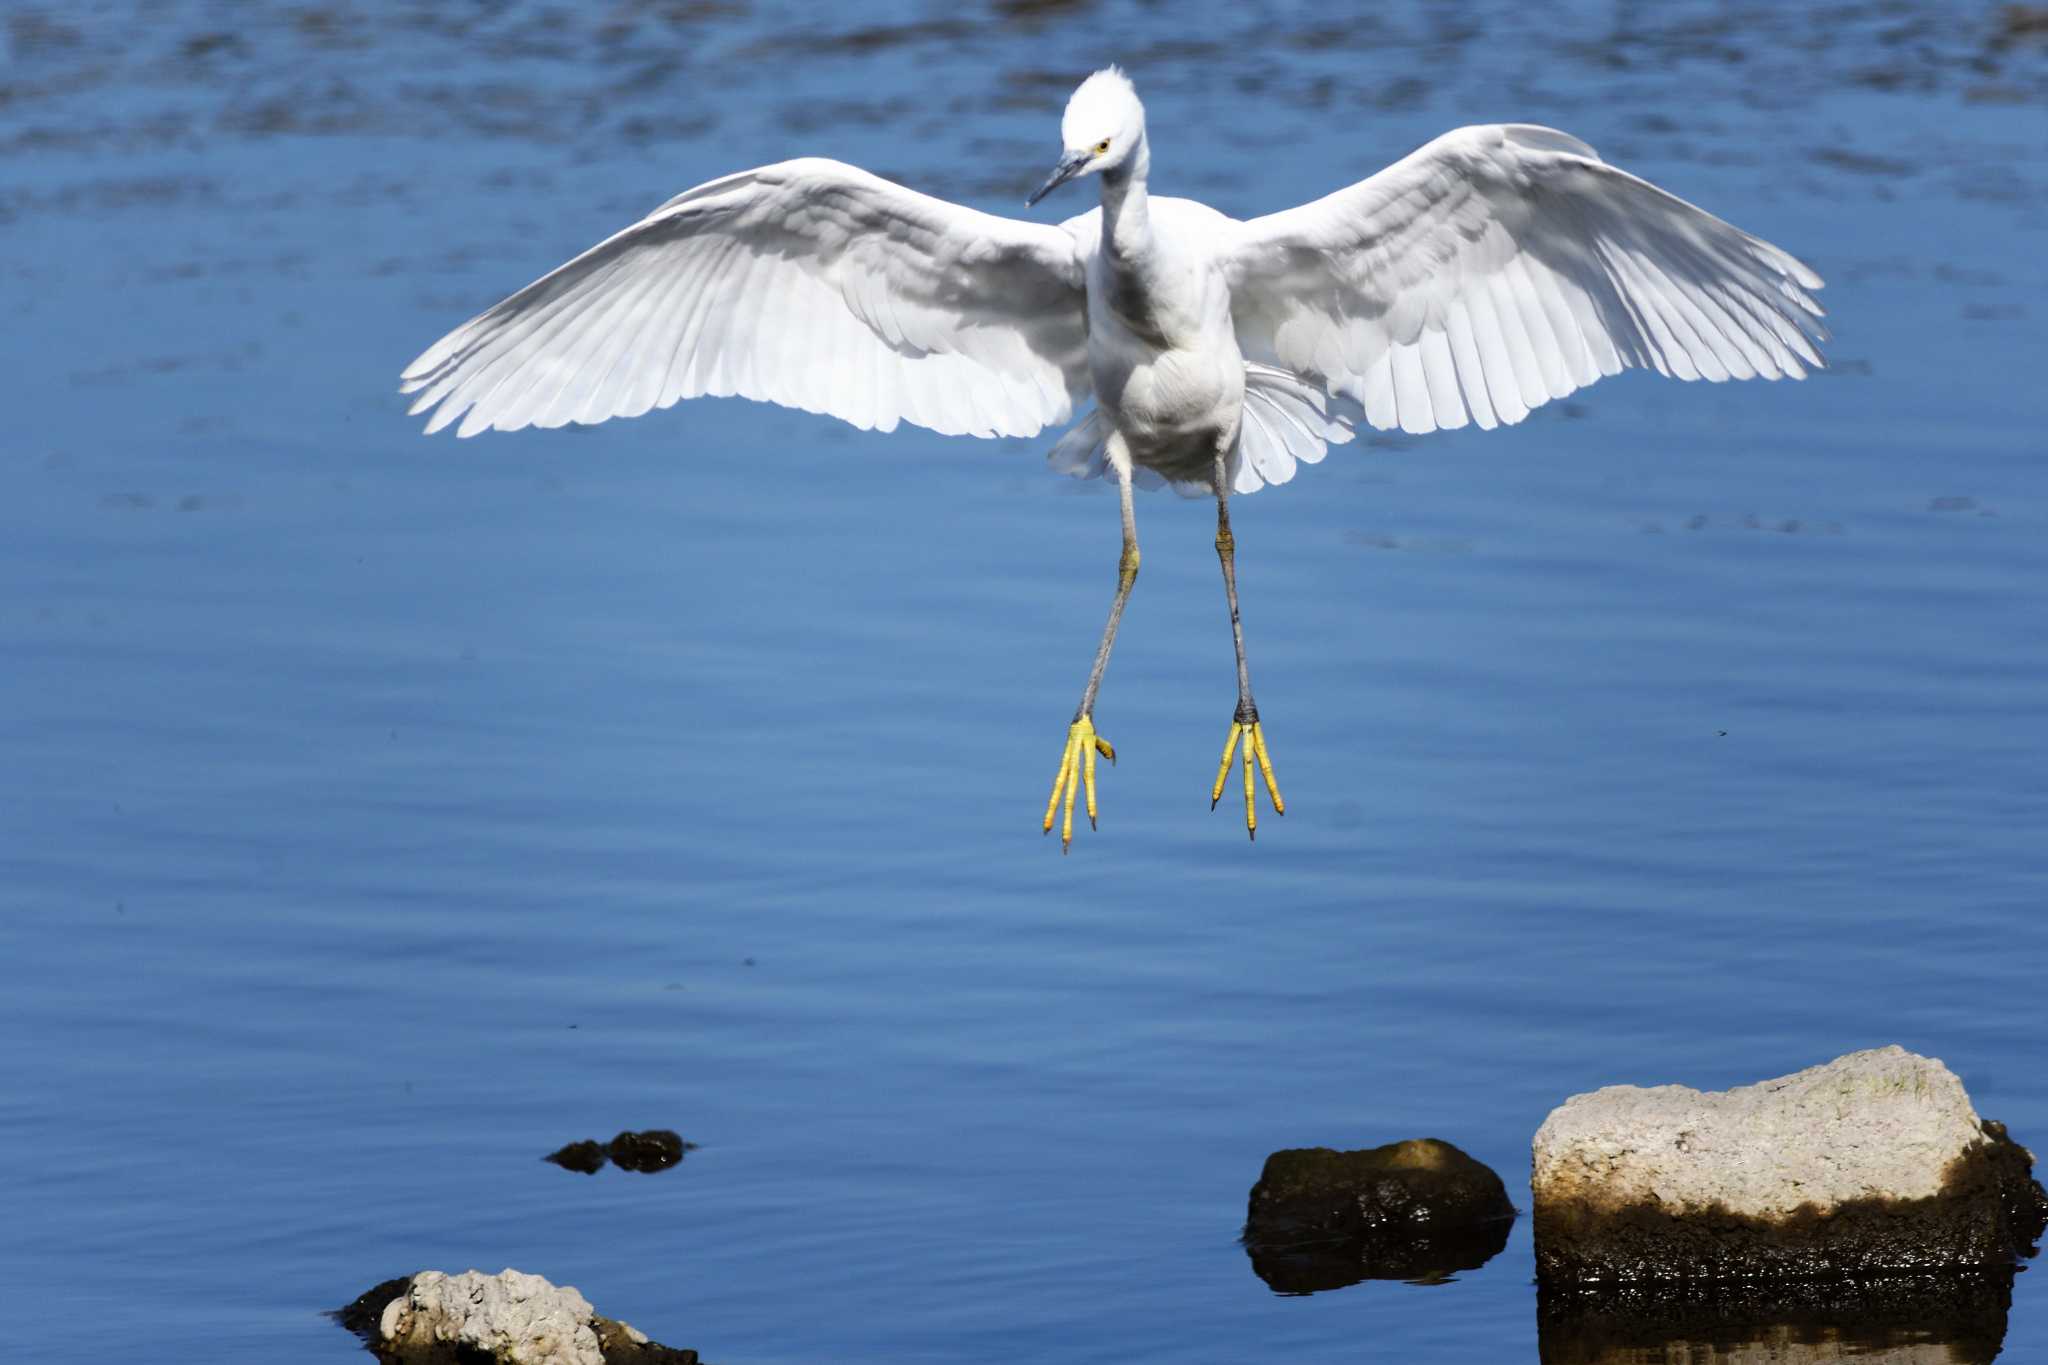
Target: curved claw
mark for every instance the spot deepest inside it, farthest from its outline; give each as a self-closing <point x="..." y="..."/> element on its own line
<point x="1253" y="736"/>
<point x="1077" y="772"/>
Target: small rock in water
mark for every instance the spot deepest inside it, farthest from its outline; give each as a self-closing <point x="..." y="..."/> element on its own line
<point x="586" y="1156"/>
<point x="656" y="1149"/>
<point x="1417" y="1210"/>
<point x="1873" y="1163"/>
<point x="363" y="1314"/>
<point x="508" y="1318"/>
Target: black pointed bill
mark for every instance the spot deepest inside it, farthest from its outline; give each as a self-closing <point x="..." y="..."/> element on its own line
<point x="1068" y="168"/>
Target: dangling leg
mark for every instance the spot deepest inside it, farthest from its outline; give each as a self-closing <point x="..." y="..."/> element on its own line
<point x="1077" y="765"/>
<point x="1245" y="725"/>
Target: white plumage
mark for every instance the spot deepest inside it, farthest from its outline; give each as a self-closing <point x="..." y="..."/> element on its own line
<point x="1488" y="272"/>
<point x="809" y="283"/>
<point x="1502" y="266"/>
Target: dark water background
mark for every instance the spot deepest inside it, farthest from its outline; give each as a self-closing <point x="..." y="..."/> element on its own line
<point x="381" y="813"/>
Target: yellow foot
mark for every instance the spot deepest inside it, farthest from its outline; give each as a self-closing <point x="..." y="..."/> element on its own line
<point x="1077" y="769"/>
<point x="1254" y="747"/>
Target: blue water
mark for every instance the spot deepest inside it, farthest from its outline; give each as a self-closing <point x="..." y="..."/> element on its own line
<point x="382" y="813"/>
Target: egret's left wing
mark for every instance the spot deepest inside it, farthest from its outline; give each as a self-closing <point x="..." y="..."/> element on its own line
<point x="1505" y="265"/>
<point x="808" y="283"/>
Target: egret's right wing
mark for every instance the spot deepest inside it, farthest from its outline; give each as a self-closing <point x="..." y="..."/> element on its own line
<point x="808" y="283"/>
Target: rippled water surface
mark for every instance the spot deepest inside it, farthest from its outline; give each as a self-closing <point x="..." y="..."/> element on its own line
<point x="382" y="813"/>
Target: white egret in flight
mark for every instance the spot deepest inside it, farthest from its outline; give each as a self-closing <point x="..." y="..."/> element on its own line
<point x="1488" y="272"/>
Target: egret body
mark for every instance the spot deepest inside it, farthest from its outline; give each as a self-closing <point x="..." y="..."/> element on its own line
<point x="1492" y="270"/>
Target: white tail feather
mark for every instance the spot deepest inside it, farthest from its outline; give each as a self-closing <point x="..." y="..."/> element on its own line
<point x="1288" y="421"/>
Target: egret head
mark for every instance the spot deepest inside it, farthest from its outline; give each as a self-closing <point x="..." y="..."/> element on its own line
<point x="1103" y="129"/>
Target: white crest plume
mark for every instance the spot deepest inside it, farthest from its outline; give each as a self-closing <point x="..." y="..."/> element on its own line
<point x="1104" y="105"/>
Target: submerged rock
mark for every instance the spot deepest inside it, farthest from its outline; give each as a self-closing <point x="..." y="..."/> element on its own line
<point x="1417" y="1210"/>
<point x="509" y="1318"/>
<point x="656" y="1149"/>
<point x="1873" y="1163"/>
<point x="586" y="1157"/>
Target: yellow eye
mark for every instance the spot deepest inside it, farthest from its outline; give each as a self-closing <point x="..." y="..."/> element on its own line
<point x="1102" y="147"/>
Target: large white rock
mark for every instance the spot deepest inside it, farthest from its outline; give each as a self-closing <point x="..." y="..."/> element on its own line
<point x="1884" y="1122"/>
<point x="516" y="1319"/>
<point x="1874" y="1161"/>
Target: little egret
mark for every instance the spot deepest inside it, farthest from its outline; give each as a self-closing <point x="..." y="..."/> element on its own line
<point x="1494" y="269"/>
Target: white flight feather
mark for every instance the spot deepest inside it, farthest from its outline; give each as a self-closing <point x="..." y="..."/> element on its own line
<point x="772" y="283"/>
<point x="1535" y="266"/>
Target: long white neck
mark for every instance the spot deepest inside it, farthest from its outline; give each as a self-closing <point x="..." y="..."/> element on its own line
<point x="1126" y="227"/>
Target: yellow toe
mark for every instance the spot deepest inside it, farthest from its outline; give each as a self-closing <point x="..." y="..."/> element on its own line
<point x="1253" y="756"/>
<point x="1075" y="777"/>
<point x="1223" y="768"/>
<point x="1266" y="769"/>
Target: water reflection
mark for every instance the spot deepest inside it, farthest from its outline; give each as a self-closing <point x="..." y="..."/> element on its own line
<point x="1956" y="1319"/>
<point x="1432" y="1258"/>
<point x="325" y="741"/>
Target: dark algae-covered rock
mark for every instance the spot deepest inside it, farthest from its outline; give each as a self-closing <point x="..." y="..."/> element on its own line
<point x="587" y="1156"/>
<point x="1416" y="1210"/>
<point x="1315" y="1193"/>
<point x="622" y="1345"/>
<point x="656" y="1149"/>
<point x="2025" y="1202"/>
<point x="1872" y="1164"/>
<point x="362" y="1313"/>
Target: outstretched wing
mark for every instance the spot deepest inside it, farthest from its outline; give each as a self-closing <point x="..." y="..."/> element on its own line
<point x="809" y="283"/>
<point x="1504" y="265"/>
